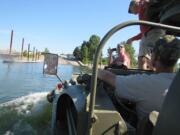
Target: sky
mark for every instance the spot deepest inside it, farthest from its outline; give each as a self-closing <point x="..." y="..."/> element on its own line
<point x="61" y="25"/>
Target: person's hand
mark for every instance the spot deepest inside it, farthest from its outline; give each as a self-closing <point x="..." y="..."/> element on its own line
<point x="110" y="51"/>
<point x="129" y="41"/>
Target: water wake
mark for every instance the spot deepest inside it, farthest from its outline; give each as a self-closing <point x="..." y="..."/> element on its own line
<point x="30" y="115"/>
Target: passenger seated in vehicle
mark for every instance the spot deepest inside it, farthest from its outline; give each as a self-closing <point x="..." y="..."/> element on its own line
<point x="122" y="60"/>
<point x="148" y="91"/>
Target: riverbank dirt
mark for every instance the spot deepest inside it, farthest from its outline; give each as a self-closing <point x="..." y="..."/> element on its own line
<point x="62" y="61"/>
<point x="18" y="59"/>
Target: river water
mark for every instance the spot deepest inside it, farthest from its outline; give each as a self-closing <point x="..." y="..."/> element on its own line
<point x="24" y="109"/>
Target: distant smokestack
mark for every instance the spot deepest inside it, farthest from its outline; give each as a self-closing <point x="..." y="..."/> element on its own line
<point x="33" y="59"/>
<point x="11" y="42"/>
<point x="28" y="51"/>
<point x="36" y="54"/>
<point x="22" y="48"/>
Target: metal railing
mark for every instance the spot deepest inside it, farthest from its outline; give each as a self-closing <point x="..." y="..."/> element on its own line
<point x="91" y="119"/>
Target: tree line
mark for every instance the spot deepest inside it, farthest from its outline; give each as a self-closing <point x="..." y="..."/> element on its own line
<point x="131" y="52"/>
<point x="85" y="52"/>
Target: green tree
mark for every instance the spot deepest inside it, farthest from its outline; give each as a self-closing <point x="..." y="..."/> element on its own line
<point x="46" y="50"/>
<point x="131" y="52"/>
<point x="104" y="61"/>
<point x="84" y="51"/>
<point x="77" y="53"/>
<point x="94" y="41"/>
<point x="87" y="50"/>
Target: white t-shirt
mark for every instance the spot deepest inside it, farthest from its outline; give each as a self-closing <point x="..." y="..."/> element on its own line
<point x="147" y="91"/>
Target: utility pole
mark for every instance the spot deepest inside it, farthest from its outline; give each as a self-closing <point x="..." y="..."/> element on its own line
<point x="28" y="51"/>
<point x="33" y="53"/>
<point x="22" y="48"/>
<point x="36" y="54"/>
<point x="11" y="42"/>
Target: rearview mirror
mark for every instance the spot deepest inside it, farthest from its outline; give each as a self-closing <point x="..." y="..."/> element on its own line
<point x="50" y="64"/>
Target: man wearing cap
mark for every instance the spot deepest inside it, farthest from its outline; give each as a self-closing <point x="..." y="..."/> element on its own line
<point x="147" y="35"/>
<point x="122" y="59"/>
<point x="148" y="91"/>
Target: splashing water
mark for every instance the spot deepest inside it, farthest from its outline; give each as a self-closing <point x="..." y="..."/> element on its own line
<point x="27" y="115"/>
<point x="30" y="114"/>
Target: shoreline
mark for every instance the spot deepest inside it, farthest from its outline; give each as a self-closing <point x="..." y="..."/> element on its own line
<point x="65" y="61"/>
<point x="62" y="61"/>
<point x="6" y="58"/>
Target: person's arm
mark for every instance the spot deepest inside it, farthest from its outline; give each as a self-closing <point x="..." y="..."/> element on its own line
<point x="107" y="77"/>
<point x="137" y="37"/>
<point x="110" y="59"/>
<point x="125" y="86"/>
